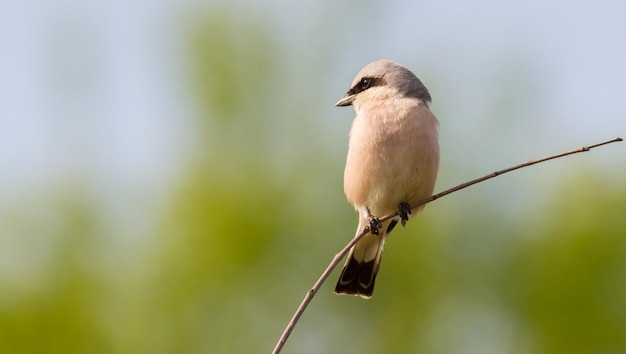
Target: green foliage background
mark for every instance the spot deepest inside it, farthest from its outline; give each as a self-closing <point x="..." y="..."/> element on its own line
<point x="257" y="214"/>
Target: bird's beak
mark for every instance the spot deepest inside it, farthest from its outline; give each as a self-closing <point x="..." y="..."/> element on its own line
<point x="346" y="100"/>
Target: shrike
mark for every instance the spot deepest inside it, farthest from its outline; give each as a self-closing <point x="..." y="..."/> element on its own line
<point x="393" y="158"/>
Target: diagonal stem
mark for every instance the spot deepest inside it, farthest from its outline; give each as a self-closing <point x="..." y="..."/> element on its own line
<point x="339" y="256"/>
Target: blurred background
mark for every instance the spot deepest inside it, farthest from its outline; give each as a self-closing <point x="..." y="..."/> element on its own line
<point x="171" y="177"/>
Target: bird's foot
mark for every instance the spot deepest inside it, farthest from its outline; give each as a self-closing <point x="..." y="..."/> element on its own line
<point x="404" y="212"/>
<point x="375" y="224"/>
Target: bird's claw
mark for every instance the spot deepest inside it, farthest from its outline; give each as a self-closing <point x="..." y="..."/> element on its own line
<point x="375" y="224"/>
<point x="404" y="212"/>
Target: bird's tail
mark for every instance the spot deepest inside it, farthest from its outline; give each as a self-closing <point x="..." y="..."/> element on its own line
<point x="359" y="273"/>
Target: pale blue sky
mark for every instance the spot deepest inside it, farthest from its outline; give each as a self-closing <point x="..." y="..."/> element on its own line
<point x="98" y="89"/>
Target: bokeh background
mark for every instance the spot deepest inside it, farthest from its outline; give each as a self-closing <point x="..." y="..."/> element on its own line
<point x="171" y="177"/>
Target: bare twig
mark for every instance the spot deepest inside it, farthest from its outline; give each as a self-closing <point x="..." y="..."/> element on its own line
<point x="318" y="284"/>
<point x="501" y="172"/>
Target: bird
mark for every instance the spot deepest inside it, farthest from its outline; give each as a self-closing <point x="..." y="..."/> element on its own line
<point x="392" y="162"/>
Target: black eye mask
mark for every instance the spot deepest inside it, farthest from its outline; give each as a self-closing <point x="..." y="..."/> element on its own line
<point x="366" y="83"/>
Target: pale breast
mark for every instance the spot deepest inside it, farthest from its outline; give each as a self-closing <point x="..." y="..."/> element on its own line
<point x="393" y="155"/>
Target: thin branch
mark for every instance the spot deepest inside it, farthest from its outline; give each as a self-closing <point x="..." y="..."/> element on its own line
<point x="501" y="172"/>
<point x="318" y="284"/>
<point x="339" y="256"/>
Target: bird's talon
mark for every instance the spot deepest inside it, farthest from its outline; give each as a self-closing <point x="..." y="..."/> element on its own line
<point x="404" y="212"/>
<point x="375" y="224"/>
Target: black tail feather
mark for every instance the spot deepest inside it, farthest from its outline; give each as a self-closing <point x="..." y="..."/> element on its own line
<point x="358" y="278"/>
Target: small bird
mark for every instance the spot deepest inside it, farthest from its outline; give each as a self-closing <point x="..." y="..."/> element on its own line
<point x="393" y="158"/>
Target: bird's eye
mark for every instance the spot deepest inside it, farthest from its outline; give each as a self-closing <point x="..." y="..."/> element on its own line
<point x="365" y="83"/>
